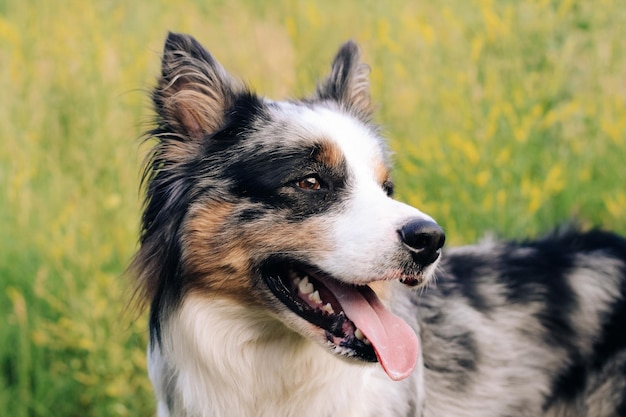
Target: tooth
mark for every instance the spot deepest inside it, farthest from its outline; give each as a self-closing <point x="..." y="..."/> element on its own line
<point x="296" y="281"/>
<point x="328" y="308"/>
<point x="305" y="286"/>
<point x="315" y="297"/>
<point x="359" y="334"/>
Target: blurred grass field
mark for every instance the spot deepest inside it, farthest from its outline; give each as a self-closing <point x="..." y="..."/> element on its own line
<point x="505" y="116"/>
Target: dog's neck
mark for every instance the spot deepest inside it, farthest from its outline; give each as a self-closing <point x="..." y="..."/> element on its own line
<point x="218" y="358"/>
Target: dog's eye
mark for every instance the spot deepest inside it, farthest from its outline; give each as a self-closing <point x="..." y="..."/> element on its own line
<point x="388" y="187"/>
<point x="312" y="182"/>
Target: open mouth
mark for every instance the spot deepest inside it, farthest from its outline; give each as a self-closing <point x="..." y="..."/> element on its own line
<point x="305" y="294"/>
<point x="355" y="322"/>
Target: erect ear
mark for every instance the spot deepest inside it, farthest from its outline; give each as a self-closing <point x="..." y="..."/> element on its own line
<point x="194" y="90"/>
<point x="348" y="82"/>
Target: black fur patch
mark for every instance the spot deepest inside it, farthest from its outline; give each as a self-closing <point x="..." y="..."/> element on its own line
<point x="536" y="273"/>
<point x="471" y="274"/>
<point x="572" y="382"/>
<point x="613" y="338"/>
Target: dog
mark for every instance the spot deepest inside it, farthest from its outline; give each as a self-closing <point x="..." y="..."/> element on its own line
<point x="279" y="272"/>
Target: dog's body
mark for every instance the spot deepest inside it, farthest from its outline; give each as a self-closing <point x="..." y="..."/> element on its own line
<point x="276" y="266"/>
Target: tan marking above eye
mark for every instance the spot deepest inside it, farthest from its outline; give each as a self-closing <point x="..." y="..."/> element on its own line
<point x="328" y="154"/>
<point x="310" y="183"/>
<point x="380" y="171"/>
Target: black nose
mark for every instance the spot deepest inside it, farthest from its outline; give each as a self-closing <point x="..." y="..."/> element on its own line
<point x="424" y="238"/>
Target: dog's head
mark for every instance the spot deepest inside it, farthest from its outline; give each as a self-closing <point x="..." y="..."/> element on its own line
<point x="286" y="205"/>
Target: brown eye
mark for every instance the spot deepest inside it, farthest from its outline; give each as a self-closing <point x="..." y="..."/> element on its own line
<point x="309" y="183"/>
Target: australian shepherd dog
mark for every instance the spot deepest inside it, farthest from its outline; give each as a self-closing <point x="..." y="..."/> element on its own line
<point x="280" y="272"/>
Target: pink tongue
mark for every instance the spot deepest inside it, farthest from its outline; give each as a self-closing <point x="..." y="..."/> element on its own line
<point x="393" y="340"/>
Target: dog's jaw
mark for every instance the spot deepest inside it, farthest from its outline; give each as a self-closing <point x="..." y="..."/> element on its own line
<point x="350" y="318"/>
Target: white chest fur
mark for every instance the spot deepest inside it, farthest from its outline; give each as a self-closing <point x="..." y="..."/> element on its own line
<point x="222" y="359"/>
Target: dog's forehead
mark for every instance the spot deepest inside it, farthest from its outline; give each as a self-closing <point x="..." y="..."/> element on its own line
<point x="342" y="135"/>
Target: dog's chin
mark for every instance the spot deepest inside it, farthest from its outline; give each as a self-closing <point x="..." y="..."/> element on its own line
<point x="311" y="294"/>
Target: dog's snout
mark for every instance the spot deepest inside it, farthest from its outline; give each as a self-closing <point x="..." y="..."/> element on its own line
<point x="424" y="238"/>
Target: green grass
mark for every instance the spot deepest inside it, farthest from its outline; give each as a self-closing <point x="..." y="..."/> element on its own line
<point x="504" y="116"/>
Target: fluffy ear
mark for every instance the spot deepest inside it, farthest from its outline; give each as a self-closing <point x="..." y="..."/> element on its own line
<point x="348" y="82"/>
<point x="194" y="90"/>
